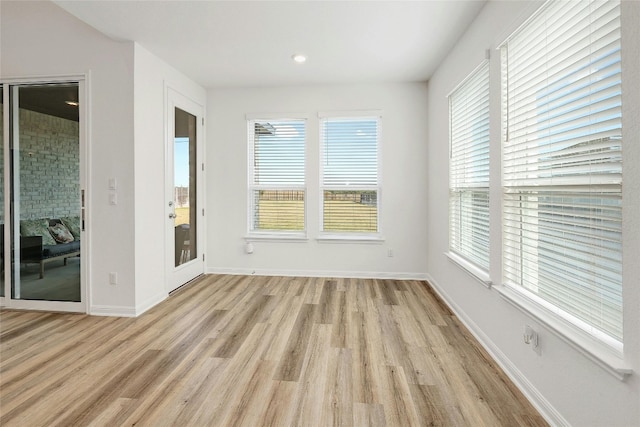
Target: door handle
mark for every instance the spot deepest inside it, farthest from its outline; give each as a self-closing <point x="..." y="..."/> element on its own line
<point x="172" y="215"/>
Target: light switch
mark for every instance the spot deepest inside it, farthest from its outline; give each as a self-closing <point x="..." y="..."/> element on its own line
<point x="113" y="198"/>
<point x="113" y="184"/>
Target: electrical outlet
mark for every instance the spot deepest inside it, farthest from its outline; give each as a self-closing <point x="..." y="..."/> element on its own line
<point x="532" y="338"/>
<point x="526" y="336"/>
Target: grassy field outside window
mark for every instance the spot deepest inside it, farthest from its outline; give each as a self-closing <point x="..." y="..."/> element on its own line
<point x="182" y="216"/>
<point x="341" y="215"/>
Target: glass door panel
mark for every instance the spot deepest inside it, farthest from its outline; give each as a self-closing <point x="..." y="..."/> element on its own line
<point x="184" y="179"/>
<point x="2" y="257"/>
<point x="46" y="192"/>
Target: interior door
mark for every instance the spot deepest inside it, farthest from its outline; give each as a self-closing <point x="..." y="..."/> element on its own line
<point x="184" y="207"/>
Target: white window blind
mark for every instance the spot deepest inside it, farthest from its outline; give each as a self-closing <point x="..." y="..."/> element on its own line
<point x="349" y="169"/>
<point x="469" y="168"/>
<point x="562" y="163"/>
<point x="276" y="175"/>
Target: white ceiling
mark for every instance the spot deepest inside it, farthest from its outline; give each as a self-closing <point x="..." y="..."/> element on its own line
<point x="250" y="43"/>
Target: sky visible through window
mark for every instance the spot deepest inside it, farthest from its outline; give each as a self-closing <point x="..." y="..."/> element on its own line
<point x="279" y="151"/>
<point x="350" y="152"/>
<point x="181" y="162"/>
<point x="349" y="157"/>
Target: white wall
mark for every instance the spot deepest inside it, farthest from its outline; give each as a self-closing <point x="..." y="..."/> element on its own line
<point x="404" y="176"/>
<point x="126" y="141"/>
<point x="38" y="39"/>
<point x="566" y="385"/>
<point x="152" y="76"/>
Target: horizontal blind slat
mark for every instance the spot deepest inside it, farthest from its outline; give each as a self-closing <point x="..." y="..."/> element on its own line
<point x="562" y="155"/>
<point x="469" y="168"/>
<point x="277" y="180"/>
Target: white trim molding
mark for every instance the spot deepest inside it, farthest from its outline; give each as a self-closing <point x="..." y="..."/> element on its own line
<point x="284" y="236"/>
<point x="112" y="310"/>
<point x="474" y="271"/>
<point x="318" y="273"/>
<point x="350" y="238"/>
<point x="602" y="355"/>
<point x="150" y="302"/>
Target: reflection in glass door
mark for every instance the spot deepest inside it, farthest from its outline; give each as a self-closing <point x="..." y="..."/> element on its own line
<point x="184" y="173"/>
<point x="45" y="192"/>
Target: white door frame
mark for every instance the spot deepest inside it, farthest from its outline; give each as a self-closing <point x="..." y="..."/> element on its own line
<point x="83" y="109"/>
<point x="178" y="276"/>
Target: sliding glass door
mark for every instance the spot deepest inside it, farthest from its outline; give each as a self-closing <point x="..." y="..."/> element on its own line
<point x="44" y="213"/>
<point x="2" y="193"/>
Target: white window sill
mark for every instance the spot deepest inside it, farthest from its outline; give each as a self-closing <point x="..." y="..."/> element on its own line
<point x="605" y="356"/>
<point x="476" y="272"/>
<point x="350" y="238"/>
<point x="288" y="237"/>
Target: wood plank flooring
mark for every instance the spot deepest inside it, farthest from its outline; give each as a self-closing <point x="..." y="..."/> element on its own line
<point x="258" y="351"/>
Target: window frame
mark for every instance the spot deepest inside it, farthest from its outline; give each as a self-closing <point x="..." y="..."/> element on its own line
<point x="350" y="236"/>
<point x="604" y="352"/>
<point x="274" y="234"/>
<point x="481" y="75"/>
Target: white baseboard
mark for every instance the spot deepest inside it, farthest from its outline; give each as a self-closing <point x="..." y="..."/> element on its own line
<point x="122" y="311"/>
<point x="318" y="273"/>
<point x="550" y="414"/>
<point x="112" y="310"/>
<point x="150" y="302"/>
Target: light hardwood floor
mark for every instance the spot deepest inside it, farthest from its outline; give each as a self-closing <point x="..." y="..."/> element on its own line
<point x="258" y="351"/>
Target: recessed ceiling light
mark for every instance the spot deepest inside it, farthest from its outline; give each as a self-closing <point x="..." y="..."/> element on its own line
<point x="72" y="103"/>
<point x="299" y="58"/>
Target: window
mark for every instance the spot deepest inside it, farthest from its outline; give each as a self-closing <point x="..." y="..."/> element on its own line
<point x="276" y="175"/>
<point x="469" y="168"/>
<point x="562" y="158"/>
<point x="350" y="185"/>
